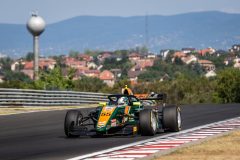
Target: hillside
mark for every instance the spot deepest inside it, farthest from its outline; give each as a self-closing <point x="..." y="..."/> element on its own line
<point x="198" y="30"/>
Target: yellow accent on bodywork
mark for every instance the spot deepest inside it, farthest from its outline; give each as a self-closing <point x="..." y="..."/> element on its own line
<point x="135" y="129"/>
<point x="136" y="103"/>
<point x="105" y="116"/>
<point x="103" y="104"/>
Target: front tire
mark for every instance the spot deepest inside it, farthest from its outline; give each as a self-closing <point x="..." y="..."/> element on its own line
<point x="148" y="122"/>
<point x="172" y="118"/>
<point x="71" y="120"/>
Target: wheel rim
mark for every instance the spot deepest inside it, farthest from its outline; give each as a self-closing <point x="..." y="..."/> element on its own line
<point x="179" y="121"/>
<point x="153" y="122"/>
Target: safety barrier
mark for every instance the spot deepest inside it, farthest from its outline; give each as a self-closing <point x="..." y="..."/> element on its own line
<point x="27" y="97"/>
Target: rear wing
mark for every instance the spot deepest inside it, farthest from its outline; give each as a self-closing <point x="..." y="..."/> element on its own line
<point x="152" y="96"/>
<point x="155" y="96"/>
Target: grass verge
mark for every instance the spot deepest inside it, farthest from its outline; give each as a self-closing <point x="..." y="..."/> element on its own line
<point x="18" y="110"/>
<point x="220" y="148"/>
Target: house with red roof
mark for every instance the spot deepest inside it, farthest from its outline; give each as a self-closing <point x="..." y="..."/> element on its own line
<point x="142" y="64"/>
<point x="207" y="65"/>
<point x="27" y="66"/>
<point x="134" y="57"/>
<point x="107" y="77"/>
<point x="85" y="57"/>
<point x="92" y="73"/>
<point x="47" y="63"/>
<point x="205" y="51"/>
<point x="133" y="76"/>
<point x="179" y="54"/>
<point x="74" y="63"/>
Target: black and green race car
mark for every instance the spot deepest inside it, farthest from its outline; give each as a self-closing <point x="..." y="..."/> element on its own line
<point x="125" y="115"/>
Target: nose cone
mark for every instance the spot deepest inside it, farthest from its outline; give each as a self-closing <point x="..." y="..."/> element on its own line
<point x="36" y="25"/>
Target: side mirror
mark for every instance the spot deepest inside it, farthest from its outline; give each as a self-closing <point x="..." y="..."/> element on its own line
<point x="102" y="104"/>
<point x="136" y="103"/>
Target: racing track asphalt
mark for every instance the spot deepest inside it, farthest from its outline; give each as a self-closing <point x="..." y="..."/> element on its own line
<point x="40" y="135"/>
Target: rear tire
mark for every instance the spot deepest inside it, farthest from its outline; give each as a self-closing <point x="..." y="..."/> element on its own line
<point x="148" y="122"/>
<point x="71" y="120"/>
<point x="172" y="118"/>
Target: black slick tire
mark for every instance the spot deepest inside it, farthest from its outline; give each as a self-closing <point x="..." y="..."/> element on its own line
<point x="148" y="122"/>
<point x="172" y="118"/>
<point x="71" y="119"/>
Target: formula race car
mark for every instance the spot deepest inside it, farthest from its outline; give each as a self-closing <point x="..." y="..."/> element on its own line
<point x="125" y="114"/>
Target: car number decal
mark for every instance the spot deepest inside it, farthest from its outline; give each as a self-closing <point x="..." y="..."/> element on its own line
<point x="105" y="115"/>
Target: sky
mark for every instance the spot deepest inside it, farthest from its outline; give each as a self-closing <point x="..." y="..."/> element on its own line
<point x="19" y="11"/>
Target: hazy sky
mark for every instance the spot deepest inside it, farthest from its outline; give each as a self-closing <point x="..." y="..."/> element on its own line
<point x="18" y="11"/>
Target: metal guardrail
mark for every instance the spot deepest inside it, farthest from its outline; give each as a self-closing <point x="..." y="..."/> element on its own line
<point x="27" y="97"/>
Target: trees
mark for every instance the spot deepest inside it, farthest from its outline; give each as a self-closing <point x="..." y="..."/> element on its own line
<point x="73" y="54"/>
<point x="16" y="76"/>
<point x="29" y="56"/>
<point x="182" y="89"/>
<point x="160" y="68"/>
<point x="54" y="80"/>
<point x="228" y="86"/>
<point x="89" y="84"/>
<point x="140" y="49"/>
<point x="5" y="63"/>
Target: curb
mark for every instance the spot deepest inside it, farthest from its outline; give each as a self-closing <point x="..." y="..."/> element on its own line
<point x="161" y="145"/>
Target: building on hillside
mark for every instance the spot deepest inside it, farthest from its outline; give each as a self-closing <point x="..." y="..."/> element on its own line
<point x="78" y="73"/>
<point x="85" y="57"/>
<point x="107" y="77"/>
<point x="16" y="65"/>
<point x="101" y="57"/>
<point x="142" y="64"/>
<point x="117" y="72"/>
<point x="235" y="48"/>
<point x="92" y="73"/>
<point x="189" y="59"/>
<point x="207" y="65"/>
<point x="179" y="54"/>
<point x="211" y="73"/>
<point x="44" y="63"/>
<point x="204" y="52"/>
<point x="92" y="65"/>
<point x="47" y="63"/>
<point x="151" y="56"/>
<point x="26" y="67"/>
<point x="74" y="63"/>
<point x="164" y="53"/>
<point x="134" y="57"/>
<point x="133" y="76"/>
<point x="188" y="50"/>
<point x="236" y="62"/>
<point x="229" y="60"/>
<point x="1" y="77"/>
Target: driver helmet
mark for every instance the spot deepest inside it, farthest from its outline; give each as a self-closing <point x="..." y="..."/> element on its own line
<point x="123" y="101"/>
<point x="152" y="94"/>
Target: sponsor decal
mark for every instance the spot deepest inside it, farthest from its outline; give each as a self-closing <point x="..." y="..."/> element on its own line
<point x="113" y="122"/>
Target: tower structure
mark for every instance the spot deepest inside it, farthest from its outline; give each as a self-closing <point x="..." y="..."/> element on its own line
<point x="36" y="26"/>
